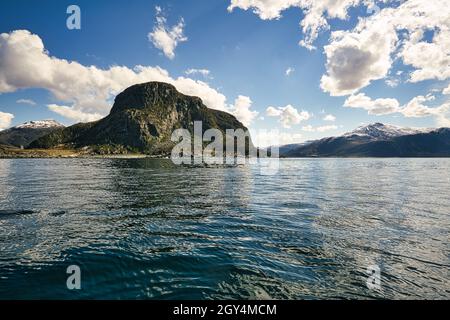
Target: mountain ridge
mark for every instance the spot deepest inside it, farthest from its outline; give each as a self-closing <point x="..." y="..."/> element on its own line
<point x="141" y="120"/>
<point x="380" y="131"/>
<point x="378" y="140"/>
<point x="24" y="134"/>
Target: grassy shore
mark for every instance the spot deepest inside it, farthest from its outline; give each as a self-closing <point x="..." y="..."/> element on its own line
<point x="9" y="152"/>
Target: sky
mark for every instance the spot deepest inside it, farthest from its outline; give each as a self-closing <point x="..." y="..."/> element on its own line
<point x="308" y="69"/>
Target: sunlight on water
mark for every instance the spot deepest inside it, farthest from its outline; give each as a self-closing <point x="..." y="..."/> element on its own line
<point x="142" y="228"/>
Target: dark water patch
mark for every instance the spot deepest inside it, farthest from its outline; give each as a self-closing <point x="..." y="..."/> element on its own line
<point x="299" y="205"/>
<point x="11" y="214"/>
<point x="57" y="213"/>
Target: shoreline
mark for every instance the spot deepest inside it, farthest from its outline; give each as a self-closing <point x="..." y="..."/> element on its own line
<point x="15" y="153"/>
<point x="7" y="152"/>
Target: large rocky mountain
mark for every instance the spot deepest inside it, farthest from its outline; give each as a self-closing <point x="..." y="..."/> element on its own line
<point x="22" y="135"/>
<point x="377" y="140"/>
<point x="142" y="119"/>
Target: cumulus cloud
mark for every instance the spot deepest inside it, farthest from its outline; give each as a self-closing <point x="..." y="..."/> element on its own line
<point x="357" y="57"/>
<point x="26" y="101"/>
<point x="166" y="38"/>
<point x="310" y="128"/>
<point x="265" y="9"/>
<point x="364" y="54"/>
<point x="329" y="117"/>
<point x="415" y="108"/>
<point x="430" y="59"/>
<point x="316" y="12"/>
<point x="374" y="107"/>
<point x="87" y="90"/>
<point x="241" y="110"/>
<point x="392" y="82"/>
<point x="354" y="59"/>
<point x="289" y="71"/>
<point x="5" y="120"/>
<point x="446" y="90"/>
<point x="288" y="115"/>
<point x="73" y="114"/>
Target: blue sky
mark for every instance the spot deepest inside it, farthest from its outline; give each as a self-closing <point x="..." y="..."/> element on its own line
<point x="246" y="54"/>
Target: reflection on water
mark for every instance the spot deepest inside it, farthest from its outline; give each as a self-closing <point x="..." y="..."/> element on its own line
<point x="143" y="228"/>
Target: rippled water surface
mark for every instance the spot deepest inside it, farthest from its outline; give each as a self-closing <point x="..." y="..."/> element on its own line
<point x="141" y="228"/>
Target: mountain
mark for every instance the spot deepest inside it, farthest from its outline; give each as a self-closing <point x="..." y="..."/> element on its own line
<point x="142" y="119"/>
<point x="24" y="134"/>
<point x="40" y="124"/>
<point x="380" y="131"/>
<point x="379" y="140"/>
<point x="284" y="149"/>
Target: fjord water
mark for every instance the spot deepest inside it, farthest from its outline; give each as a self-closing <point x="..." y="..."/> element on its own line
<point x="143" y="228"/>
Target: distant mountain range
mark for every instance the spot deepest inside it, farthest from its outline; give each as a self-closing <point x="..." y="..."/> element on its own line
<point x="144" y="116"/>
<point x="376" y="140"/>
<point x="24" y="134"/>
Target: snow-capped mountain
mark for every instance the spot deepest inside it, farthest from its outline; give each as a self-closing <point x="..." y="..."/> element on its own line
<point x="40" y="124"/>
<point x="380" y="131"/>
<point x="22" y="135"/>
<point x="378" y="140"/>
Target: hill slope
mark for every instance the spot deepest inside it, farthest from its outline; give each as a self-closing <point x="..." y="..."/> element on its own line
<point x="378" y="140"/>
<point x="142" y="119"/>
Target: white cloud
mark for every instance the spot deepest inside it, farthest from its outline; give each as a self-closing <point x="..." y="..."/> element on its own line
<point x="446" y="90"/>
<point x="204" y="72"/>
<point x="316" y="12"/>
<point x="415" y="108"/>
<point x="5" y="120"/>
<point x="266" y="138"/>
<point x="241" y="110"/>
<point x="307" y="45"/>
<point x="392" y="82"/>
<point x="166" y="38"/>
<point x="265" y="9"/>
<point x="74" y="114"/>
<point x="375" y="107"/>
<point x="329" y="117"/>
<point x="310" y="128"/>
<point x="289" y="71"/>
<point x="430" y="59"/>
<point x="354" y="59"/>
<point x="288" y="115"/>
<point x="25" y="63"/>
<point x="357" y="57"/>
<point x="273" y="112"/>
<point x="26" y="101"/>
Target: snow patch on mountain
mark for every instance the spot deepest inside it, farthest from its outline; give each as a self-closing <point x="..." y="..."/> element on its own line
<point x="380" y="131"/>
<point x="40" y="124"/>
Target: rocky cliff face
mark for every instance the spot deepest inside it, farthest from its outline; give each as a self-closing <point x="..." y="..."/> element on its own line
<point x="142" y="119"/>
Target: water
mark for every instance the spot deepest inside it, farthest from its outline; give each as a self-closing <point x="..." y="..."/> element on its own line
<point x="141" y="228"/>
